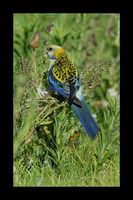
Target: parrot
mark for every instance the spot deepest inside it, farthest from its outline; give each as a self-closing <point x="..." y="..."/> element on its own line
<point x="64" y="79"/>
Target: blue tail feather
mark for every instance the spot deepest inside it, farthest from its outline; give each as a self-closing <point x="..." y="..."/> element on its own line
<point x="86" y="119"/>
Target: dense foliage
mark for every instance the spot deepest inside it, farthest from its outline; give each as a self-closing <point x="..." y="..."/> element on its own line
<point x="46" y="153"/>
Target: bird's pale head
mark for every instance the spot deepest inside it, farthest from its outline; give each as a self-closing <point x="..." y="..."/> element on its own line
<point x="55" y="51"/>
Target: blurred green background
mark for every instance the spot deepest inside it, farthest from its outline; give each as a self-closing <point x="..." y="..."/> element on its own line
<point x="44" y="155"/>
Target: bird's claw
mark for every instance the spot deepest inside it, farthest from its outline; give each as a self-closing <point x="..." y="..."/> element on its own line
<point x="42" y="93"/>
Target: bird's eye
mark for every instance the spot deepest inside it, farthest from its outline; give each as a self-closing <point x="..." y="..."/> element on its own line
<point x="50" y="49"/>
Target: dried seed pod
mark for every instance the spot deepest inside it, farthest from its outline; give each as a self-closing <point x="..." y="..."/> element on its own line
<point x="49" y="28"/>
<point x="75" y="136"/>
<point x="35" y="41"/>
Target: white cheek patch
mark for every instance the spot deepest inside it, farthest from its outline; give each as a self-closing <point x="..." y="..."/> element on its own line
<point x="50" y="55"/>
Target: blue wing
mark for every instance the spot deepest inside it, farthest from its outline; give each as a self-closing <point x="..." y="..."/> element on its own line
<point x="67" y="90"/>
<point x="71" y="91"/>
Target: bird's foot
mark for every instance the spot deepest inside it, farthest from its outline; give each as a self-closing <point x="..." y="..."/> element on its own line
<point x="42" y="93"/>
